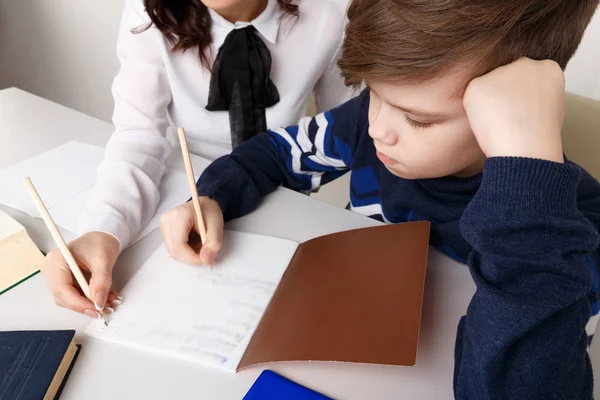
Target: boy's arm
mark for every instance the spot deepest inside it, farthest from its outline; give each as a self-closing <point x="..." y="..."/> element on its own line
<point x="524" y="335"/>
<point x="301" y="157"/>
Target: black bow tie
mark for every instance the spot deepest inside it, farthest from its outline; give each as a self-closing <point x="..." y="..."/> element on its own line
<point x="240" y="84"/>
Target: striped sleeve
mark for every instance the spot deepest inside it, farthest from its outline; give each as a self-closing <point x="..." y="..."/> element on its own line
<point x="302" y="158"/>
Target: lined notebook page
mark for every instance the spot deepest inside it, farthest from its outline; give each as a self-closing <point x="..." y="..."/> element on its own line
<point x="207" y="316"/>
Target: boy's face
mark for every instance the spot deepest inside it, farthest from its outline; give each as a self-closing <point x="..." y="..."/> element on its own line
<point x="422" y="131"/>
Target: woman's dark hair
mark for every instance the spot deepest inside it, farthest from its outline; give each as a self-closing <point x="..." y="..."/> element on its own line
<point x="187" y="23"/>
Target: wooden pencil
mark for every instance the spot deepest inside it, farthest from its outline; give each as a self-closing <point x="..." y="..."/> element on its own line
<point x="60" y="242"/>
<point x="192" y="183"/>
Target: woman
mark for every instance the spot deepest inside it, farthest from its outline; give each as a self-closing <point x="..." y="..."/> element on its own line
<point x="223" y="69"/>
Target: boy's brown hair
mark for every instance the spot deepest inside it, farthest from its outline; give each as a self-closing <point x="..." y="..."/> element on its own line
<point x="419" y="40"/>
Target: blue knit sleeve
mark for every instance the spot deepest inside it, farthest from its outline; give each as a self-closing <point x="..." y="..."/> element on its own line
<point x="524" y="333"/>
<point x="303" y="157"/>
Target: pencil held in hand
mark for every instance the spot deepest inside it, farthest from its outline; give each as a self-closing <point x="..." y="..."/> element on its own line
<point x="60" y="242"/>
<point x="192" y="183"/>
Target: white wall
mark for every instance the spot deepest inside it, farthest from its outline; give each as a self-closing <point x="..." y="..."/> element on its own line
<point x="64" y="50"/>
<point x="342" y="4"/>
<point x="583" y="72"/>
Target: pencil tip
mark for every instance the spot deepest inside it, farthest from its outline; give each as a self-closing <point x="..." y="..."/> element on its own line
<point x="105" y="323"/>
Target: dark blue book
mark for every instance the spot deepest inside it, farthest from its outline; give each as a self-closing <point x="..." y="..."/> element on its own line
<point x="272" y="386"/>
<point x="35" y="364"/>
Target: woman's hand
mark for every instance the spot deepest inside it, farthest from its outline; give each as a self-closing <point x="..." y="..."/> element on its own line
<point x="95" y="253"/>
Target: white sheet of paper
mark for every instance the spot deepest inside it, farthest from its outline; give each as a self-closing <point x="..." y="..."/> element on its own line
<point x="65" y="177"/>
<point x="8" y="226"/>
<point x="206" y="316"/>
<point x="57" y="174"/>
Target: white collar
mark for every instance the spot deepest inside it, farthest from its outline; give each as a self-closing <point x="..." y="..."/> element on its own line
<point x="267" y="24"/>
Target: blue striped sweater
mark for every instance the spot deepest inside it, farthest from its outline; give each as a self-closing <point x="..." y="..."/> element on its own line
<point x="528" y="230"/>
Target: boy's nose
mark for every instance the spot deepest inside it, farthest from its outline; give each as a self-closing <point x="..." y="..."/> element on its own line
<point x="383" y="135"/>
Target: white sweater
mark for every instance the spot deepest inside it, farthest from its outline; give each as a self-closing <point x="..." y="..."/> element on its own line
<point x="156" y="88"/>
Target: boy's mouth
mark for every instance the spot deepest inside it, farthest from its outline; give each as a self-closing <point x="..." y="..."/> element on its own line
<point x="385" y="159"/>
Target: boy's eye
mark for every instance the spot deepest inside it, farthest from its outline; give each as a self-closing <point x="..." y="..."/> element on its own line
<point x="417" y="124"/>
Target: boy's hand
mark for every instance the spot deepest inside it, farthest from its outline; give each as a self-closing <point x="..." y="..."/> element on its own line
<point x="95" y="253"/>
<point x="517" y="110"/>
<point x="180" y="232"/>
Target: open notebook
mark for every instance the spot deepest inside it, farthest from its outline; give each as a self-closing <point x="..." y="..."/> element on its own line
<point x="353" y="296"/>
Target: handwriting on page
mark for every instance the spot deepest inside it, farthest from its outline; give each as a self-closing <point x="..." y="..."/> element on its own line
<point x="205" y="315"/>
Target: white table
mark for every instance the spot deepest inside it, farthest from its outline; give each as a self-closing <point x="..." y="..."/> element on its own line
<point x="30" y="125"/>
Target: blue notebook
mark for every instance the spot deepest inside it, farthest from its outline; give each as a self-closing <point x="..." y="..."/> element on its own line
<point x="272" y="386"/>
<point x="35" y="364"/>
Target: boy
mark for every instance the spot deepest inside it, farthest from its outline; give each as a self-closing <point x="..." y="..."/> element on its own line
<point x="481" y="158"/>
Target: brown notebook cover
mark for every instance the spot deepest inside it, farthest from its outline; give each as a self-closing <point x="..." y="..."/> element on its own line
<point x="353" y="296"/>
